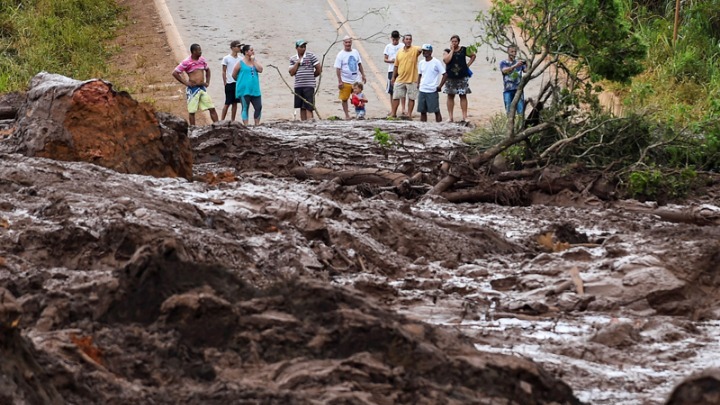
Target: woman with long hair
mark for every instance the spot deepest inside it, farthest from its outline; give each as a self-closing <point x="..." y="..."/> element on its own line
<point x="247" y="76"/>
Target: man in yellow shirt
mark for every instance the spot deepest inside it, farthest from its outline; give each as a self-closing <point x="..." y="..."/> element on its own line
<point x="405" y="76"/>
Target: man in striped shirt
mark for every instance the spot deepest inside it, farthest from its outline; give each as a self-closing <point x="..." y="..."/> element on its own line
<point x="305" y="66"/>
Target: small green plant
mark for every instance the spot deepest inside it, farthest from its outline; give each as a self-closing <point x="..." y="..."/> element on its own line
<point x="644" y="184"/>
<point x="655" y="184"/>
<point x="383" y="138"/>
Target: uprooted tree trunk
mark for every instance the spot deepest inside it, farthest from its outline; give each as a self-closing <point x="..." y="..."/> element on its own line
<point x="489" y="155"/>
<point x="70" y="120"/>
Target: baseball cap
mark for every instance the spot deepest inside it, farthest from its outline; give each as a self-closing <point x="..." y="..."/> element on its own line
<point x="300" y="42"/>
<point x="426" y="47"/>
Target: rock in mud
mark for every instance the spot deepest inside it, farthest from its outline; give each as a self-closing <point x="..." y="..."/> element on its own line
<point x="617" y="334"/>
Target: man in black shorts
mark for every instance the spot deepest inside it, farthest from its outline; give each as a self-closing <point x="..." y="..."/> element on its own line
<point x="228" y="64"/>
<point x="305" y="66"/>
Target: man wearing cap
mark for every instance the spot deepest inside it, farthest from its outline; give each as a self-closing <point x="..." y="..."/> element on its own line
<point x="429" y="70"/>
<point x="391" y="50"/>
<point x="228" y="64"/>
<point x="405" y="74"/>
<point x="197" y="82"/>
<point x="305" y="66"/>
<point x="347" y="66"/>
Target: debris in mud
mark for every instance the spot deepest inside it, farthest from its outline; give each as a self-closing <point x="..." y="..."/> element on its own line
<point x="702" y="388"/>
<point x="250" y="285"/>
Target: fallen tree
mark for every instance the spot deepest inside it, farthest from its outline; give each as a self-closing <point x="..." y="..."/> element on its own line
<point x="565" y="44"/>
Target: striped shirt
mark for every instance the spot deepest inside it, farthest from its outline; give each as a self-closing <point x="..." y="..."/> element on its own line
<point x="190" y="65"/>
<point x="305" y="76"/>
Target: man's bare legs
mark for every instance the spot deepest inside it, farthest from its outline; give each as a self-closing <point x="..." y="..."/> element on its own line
<point x="305" y="114"/>
<point x="394" y="106"/>
<point x="411" y="107"/>
<point x="451" y="106"/>
<point x="398" y="102"/>
<point x="213" y="115"/>
<point x="345" y="109"/>
<point x="233" y="111"/>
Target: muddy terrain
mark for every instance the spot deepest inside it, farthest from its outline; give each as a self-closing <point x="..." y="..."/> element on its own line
<point x="302" y="263"/>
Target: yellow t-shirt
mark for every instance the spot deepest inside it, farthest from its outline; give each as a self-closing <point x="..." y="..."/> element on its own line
<point x="406" y="61"/>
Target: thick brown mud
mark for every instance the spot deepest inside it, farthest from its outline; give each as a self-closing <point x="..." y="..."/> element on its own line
<point x="256" y="283"/>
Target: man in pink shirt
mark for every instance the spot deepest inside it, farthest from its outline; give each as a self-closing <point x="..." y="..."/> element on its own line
<point x="197" y="82"/>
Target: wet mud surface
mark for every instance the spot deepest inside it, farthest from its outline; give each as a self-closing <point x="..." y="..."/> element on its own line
<point x="256" y="284"/>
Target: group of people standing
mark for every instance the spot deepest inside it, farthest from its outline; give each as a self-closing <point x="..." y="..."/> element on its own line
<point x="241" y="80"/>
<point x="408" y="81"/>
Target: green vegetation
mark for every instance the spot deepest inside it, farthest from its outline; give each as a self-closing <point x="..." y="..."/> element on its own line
<point x="68" y="37"/>
<point x="681" y="82"/>
<point x="384" y="139"/>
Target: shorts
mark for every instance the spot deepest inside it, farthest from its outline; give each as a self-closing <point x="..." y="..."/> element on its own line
<point x="198" y="99"/>
<point x="345" y="92"/>
<point x="457" y="86"/>
<point x="428" y="102"/>
<point x="230" y="94"/>
<point x="389" y="88"/>
<point x="308" y="93"/>
<point x="403" y="89"/>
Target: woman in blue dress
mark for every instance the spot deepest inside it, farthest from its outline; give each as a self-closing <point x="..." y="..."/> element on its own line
<point x="247" y="76"/>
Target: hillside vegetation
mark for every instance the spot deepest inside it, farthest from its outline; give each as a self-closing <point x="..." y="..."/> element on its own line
<point x="665" y="142"/>
<point x="59" y="36"/>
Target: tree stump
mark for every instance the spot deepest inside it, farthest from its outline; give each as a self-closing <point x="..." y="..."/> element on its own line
<point x="70" y="120"/>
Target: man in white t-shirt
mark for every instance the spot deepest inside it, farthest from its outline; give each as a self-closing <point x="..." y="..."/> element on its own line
<point x="228" y="63"/>
<point x="347" y="66"/>
<point x="391" y="50"/>
<point x="429" y="70"/>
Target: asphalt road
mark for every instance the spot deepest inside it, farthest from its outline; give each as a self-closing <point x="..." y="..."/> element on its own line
<point x="272" y="26"/>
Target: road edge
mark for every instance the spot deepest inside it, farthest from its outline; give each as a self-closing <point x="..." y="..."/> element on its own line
<point x="171" y="33"/>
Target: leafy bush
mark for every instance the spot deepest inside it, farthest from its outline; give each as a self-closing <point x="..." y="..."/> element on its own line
<point x="655" y="184"/>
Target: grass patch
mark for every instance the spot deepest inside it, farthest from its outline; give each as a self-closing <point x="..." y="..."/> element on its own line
<point x="67" y="37"/>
